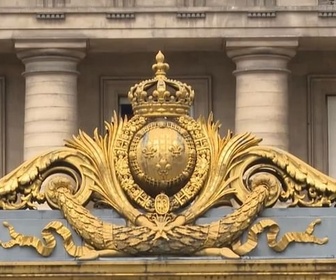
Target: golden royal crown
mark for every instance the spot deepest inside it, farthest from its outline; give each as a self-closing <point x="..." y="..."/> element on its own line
<point x="161" y="96"/>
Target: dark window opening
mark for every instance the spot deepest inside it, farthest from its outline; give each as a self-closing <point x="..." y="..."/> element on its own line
<point x="125" y="108"/>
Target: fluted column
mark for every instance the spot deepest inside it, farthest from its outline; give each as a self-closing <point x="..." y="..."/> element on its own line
<point x="51" y="94"/>
<point x="262" y="88"/>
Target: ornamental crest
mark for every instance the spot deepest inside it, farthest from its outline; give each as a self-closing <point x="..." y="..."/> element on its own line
<point x="161" y="170"/>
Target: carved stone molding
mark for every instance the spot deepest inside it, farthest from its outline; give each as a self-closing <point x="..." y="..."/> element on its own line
<point x="180" y="269"/>
<point x="319" y="87"/>
<point x="327" y="14"/>
<point x="176" y="269"/>
<point x="262" y="14"/>
<point x="120" y="15"/>
<point x="195" y="15"/>
<point x="50" y="16"/>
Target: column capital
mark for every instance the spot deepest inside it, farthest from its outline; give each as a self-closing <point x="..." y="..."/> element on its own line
<point x="259" y="46"/>
<point x="50" y="55"/>
<point x="27" y="48"/>
<point x="261" y="55"/>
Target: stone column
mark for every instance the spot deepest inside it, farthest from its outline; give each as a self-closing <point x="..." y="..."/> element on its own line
<point x="51" y="93"/>
<point x="262" y="88"/>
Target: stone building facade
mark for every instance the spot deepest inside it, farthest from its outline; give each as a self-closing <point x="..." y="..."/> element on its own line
<point x="265" y="66"/>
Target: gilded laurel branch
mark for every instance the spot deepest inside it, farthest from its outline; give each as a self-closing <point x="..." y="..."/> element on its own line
<point x="218" y="238"/>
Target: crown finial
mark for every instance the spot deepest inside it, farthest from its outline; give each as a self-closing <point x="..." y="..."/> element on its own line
<point x="161" y="96"/>
<point x="160" y="67"/>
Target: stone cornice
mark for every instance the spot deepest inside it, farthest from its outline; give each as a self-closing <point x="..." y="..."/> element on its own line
<point x="149" y="23"/>
<point x="166" y="9"/>
<point x="50" y="55"/>
<point x="173" y="268"/>
<point x="155" y="18"/>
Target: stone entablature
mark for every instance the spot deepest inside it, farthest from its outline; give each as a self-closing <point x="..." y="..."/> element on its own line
<point x="159" y="3"/>
<point x="209" y="26"/>
<point x="174" y="19"/>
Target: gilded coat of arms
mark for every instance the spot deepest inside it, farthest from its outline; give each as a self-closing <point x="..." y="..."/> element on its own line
<point x="161" y="170"/>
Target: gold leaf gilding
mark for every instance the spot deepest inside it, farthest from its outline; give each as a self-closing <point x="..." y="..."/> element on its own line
<point x="162" y="170"/>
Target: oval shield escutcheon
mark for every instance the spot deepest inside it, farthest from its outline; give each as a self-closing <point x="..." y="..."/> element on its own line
<point x="162" y="204"/>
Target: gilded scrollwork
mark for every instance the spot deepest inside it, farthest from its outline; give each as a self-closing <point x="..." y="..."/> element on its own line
<point x="298" y="183"/>
<point x="162" y="170"/>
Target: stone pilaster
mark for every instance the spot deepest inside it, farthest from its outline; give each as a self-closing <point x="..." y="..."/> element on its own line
<point x="51" y="93"/>
<point x="262" y="88"/>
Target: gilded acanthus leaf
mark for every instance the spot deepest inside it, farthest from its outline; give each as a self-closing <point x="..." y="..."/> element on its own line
<point x="223" y="152"/>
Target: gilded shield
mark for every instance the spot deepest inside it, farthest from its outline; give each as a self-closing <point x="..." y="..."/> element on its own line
<point x="162" y="157"/>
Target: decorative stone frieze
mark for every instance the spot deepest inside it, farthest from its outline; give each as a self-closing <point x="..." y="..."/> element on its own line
<point x="262" y="14"/>
<point x="59" y="16"/>
<point x="327" y="14"/>
<point x="186" y="15"/>
<point x="120" y="15"/>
